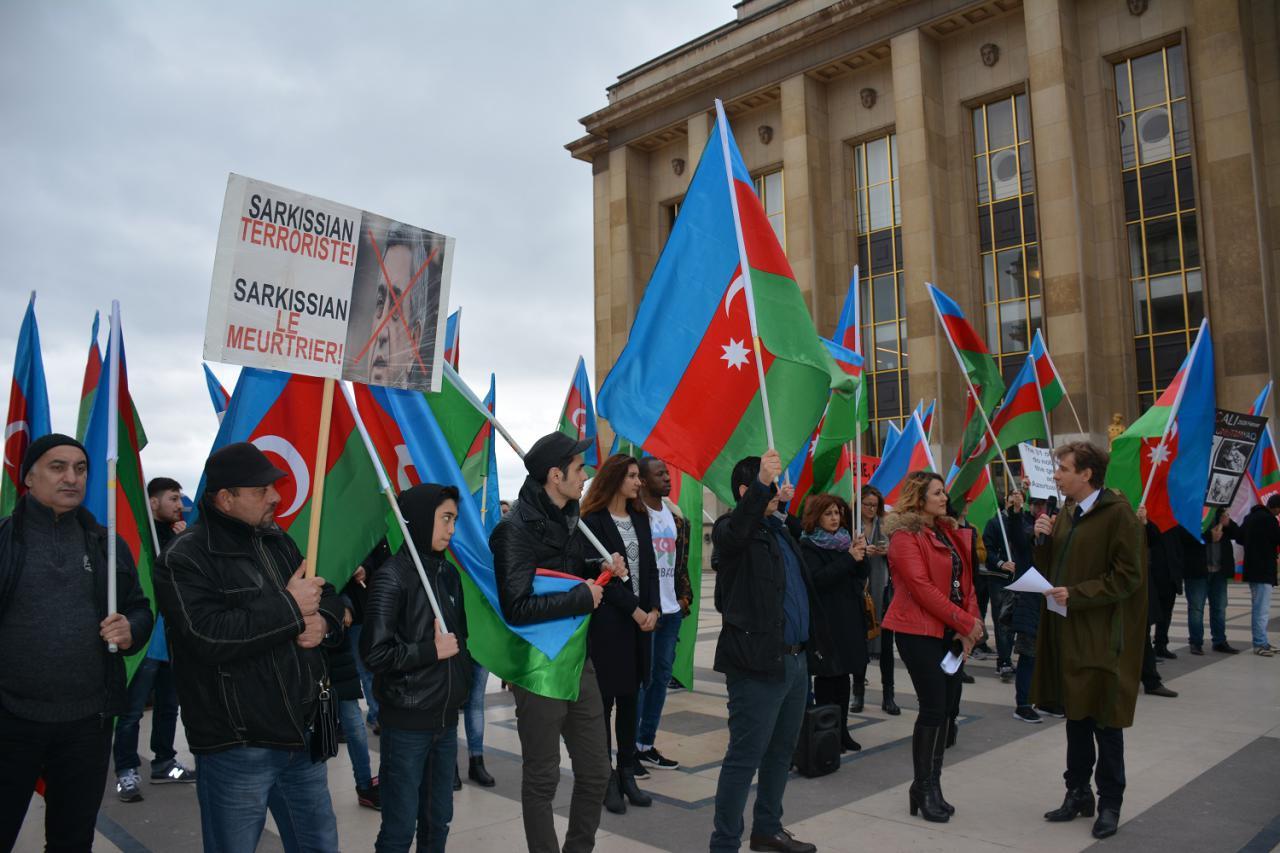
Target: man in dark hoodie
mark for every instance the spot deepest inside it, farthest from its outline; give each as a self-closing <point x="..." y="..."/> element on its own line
<point x="60" y="689"/>
<point x="540" y="532"/>
<point x="422" y="673"/>
<point x="245" y="629"/>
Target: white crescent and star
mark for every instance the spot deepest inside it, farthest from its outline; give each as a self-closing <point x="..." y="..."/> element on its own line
<point x="10" y="431"/>
<point x="403" y="463"/>
<point x="736" y="353"/>
<point x="579" y="419"/>
<point x="297" y="468"/>
<point x="736" y="286"/>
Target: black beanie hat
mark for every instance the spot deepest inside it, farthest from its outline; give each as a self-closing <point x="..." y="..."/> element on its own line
<point x="43" y="445"/>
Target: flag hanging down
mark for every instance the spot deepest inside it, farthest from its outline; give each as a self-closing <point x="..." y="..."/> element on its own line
<point x="980" y="368"/>
<point x="686" y="386"/>
<point x="969" y="465"/>
<point x="578" y="416"/>
<point x="217" y="394"/>
<point x="1052" y="390"/>
<point x="452" y="334"/>
<point x="279" y="414"/>
<point x="1264" y="467"/>
<point x="545" y="657"/>
<point x="487" y="495"/>
<point x="89" y="387"/>
<point x="844" y="419"/>
<point x="910" y="452"/>
<point x="1183" y="417"/>
<point x="464" y="427"/>
<point x="980" y="504"/>
<point x="799" y="473"/>
<point x="28" y="417"/>
<point x="133" y="519"/>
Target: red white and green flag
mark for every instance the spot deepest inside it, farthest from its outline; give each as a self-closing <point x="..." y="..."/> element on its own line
<point x="578" y="416"/>
<point x="1264" y="467"/>
<point x="89" y="387"/>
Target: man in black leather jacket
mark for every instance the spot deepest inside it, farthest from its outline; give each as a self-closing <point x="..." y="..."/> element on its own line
<point x="540" y="532"/>
<point x="245" y="626"/>
<point x="421" y="674"/>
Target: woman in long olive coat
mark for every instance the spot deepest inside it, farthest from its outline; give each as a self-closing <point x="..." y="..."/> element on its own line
<point x="1089" y="662"/>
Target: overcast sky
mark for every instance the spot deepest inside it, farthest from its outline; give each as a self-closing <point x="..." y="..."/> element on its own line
<point x="119" y="123"/>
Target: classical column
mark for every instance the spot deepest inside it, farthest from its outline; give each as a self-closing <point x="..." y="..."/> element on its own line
<point x="806" y="178"/>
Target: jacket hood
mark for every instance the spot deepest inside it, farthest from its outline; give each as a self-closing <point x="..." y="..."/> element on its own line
<point x="910" y="521"/>
<point x="418" y="505"/>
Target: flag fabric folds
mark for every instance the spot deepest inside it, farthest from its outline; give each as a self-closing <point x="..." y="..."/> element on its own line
<point x="1175" y="437"/>
<point x="1020" y="417"/>
<point x="1052" y="390"/>
<point x="578" y="415"/>
<point x="910" y="452"/>
<point x="486" y="496"/>
<point x="28" y="416"/>
<point x="686" y="386"/>
<point x="217" y="394"/>
<point x="1264" y="467"/>
<point x="452" y="333"/>
<point x="89" y="387"/>
<point x="545" y="657"/>
<point x="466" y="430"/>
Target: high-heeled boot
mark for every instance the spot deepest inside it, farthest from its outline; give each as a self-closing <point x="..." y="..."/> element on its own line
<point x="847" y="743"/>
<point x="939" y="750"/>
<point x="924" y="795"/>
<point x="613" y="795"/>
<point x="627" y="782"/>
<point x="887" y="704"/>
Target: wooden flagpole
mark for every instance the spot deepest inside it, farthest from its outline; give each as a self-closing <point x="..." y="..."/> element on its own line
<point x="317" y="488"/>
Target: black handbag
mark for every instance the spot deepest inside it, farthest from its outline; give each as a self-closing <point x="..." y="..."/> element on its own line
<point x="324" y="731"/>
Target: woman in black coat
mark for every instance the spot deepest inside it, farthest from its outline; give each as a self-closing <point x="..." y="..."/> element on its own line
<point x="618" y="640"/>
<point x="839" y="570"/>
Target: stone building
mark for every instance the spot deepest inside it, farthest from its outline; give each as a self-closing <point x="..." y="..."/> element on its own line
<point x="1107" y="170"/>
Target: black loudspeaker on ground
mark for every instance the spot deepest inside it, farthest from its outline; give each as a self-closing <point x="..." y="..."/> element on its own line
<point x="818" y="748"/>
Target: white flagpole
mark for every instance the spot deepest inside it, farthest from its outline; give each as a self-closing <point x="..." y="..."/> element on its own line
<point x="856" y="287"/>
<point x="113" y="455"/>
<point x="1158" y="453"/>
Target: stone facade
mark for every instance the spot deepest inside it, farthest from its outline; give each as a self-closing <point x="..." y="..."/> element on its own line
<point x="803" y="68"/>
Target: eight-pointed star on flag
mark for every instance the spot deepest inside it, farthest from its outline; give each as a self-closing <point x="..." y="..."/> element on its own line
<point x="735" y="353"/>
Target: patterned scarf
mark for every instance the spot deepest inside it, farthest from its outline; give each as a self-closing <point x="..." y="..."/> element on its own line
<point x="838" y="541"/>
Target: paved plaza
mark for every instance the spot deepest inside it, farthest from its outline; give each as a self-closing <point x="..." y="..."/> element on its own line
<point x="1203" y="773"/>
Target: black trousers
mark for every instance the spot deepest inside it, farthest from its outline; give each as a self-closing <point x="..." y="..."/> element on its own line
<point x="72" y="758"/>
<point x="886" y="658"/>
<point x="1109" y="758"/>
<point x="625" y="713"/>
<point x="937" y="692"/>
<point x="1168" y="598"/>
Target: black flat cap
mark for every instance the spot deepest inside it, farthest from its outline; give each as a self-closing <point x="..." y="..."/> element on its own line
<point x="239" y="464"/>
<point x="549" y="451"/>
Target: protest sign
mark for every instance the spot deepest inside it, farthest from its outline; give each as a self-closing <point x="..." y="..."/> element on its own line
<point x="1235" y="435"/>
<point x="306" y="285"/>
<point x="1038" y="465"/>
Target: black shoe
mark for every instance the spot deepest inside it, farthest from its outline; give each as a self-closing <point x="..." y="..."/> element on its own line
<point x="889" y="706"/>
<point x="457" y="780"/>
<point x="478" y="774"/>
<point x="848" y="744"/>
<point x="1163" y="652"/>
<point x="674" y="684"/>
<point x="1161" y="690"/>
<point x="983" y="648"/>
<point x="656" y="760"/>
<point x="1225" y="648"/>
<point x="630" y="790"/>
<point x="613" y="796"/>
<point x="924" y="797"/>
<point x="1197" y="650"/>
<point x="859" y="697"/>
<point x="370" y="797"/>
<point x="966" y="678"/>
<point x="639" y="771"/>
<point x="1027" y="714"/>
<point x="784" y="841"/>
<point x="1051" y="711"/>
<point x="1107" y="823"/>
<point x="1079" y="802"/>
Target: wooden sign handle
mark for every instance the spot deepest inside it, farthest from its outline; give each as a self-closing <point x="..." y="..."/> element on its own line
<point x="317" y="489"/>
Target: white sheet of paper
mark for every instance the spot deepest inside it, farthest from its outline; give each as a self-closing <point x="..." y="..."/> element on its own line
<point x="1033" y="581"/>
<point x="951" y="663"/>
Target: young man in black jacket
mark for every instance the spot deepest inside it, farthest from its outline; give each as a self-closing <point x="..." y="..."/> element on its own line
<point x="421" y="674"/>
<point x="60" y="686"/>
<point x="764" y="594"/>
<point x="540" y="532"/>
<point x="1260" y="536"/>
<point x="245" y="630"/>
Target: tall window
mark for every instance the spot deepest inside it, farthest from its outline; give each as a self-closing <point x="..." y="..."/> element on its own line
<point x="1160" y="214"/>
<point x="1007" y="233"/>
<point x="769" y="189"/>
<point x="879" y="253"/>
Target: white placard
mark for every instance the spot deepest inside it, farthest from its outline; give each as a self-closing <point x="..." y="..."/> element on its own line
<point x="1038" y="465"/>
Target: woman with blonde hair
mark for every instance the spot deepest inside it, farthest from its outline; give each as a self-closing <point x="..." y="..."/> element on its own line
<point x="934" y="612"/>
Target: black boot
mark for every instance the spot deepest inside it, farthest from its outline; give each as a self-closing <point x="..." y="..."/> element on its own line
<point x="1107" y="823"/>
<point x="847" y="743"/>
<point x="627" y="782"/>
<point x="939" y="751"/>
<point x="925" y="798"/>
<point x="859" y="694"/>
<point x="478" y="774"/>
<point x="457" y="780"/>
<point x="1079" y="801"/>
<point x="889" y="706"/>
<point x="613" y="796"/>
<point x="952" y="730"/>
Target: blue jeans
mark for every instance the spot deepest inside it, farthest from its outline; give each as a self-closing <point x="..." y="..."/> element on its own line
<point x="352" y="719"/>
<point x="1261" y="595"/>
<point x="416" y="786"/>
<point x="654" y="696"/>
<point x="473" y="712"/>
<point x="235" y="788"/>
<point x="366" y="677"/>
<point x="164" y="718"/>
<point x="1214" y="587"/>
<point x="764" y="722"/>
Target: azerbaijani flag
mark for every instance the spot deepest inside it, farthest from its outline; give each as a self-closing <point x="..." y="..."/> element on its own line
<point x="845" y="417"/>
<point x="686" y="386"/>
<point x="217" y="394"/>
<point x="1052" y="390"/>
<point x="800" y="472"/>
<point x="1175" y="437"/>
<point x="133" y="519"/>
<point x="28" y="417"/>
<point x="578" y="416"/>
<point x="89" y="387"/>
<point x="926" y="416"/>
<point x="280" y="414"/>
<point x="1264" y="468"/>
<point x="466" y="430"/>
<point x="625" y="445"/>
<point x="910" y="452"/>
<point x="545" y="657"/>
<point x="977" y="363"/>
<point x="486" y="496"/>
<point x="1020" y="417"/>
<point x="980" y="505"/>
<point x="452" y="331"/>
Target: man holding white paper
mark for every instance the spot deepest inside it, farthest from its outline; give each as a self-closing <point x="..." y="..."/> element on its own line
<point x="1088" y="662"/>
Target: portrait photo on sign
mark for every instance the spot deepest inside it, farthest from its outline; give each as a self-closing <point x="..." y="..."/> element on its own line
<point x="1232" y="456"/>
<point x="399" y="295"/>
<point x="1221" y="489"/>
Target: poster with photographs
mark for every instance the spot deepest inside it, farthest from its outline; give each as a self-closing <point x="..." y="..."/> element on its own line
<point x="1235" y="435"/>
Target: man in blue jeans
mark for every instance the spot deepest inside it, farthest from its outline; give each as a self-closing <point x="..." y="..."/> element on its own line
<point x="671" y="547"/>
<point x="764" y="593"/>
<point x="1260" y="535"/>
<point x="245" y="629"/>
<point x="1206" y="578"/>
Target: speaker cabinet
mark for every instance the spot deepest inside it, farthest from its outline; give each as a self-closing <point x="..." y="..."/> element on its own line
<point x="818" y="748"/>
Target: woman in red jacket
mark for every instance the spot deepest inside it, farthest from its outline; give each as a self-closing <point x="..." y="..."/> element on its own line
<point x="934" y="611"/>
